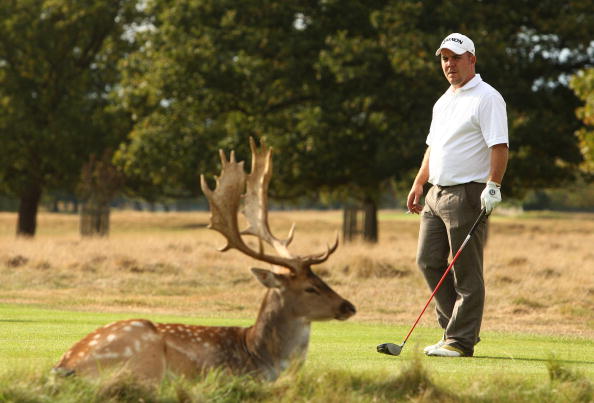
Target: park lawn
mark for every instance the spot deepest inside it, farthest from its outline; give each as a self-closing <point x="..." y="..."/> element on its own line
<point x="33" y="338"/>
<point x="502" y="355"/>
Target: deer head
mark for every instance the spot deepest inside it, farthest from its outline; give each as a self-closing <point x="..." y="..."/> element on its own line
<point x="310" y="297"/>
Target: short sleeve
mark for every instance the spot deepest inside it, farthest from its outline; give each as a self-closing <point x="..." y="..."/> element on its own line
<point x="493" y="119"/>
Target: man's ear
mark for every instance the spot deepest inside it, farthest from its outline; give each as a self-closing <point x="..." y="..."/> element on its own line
<point x="268" y="278"/>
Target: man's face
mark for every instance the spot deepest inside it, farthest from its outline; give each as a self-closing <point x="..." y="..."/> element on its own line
<point x="458" y="69"/>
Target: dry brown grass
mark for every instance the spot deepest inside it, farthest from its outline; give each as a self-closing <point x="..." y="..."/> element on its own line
<point x="539" y="271"/>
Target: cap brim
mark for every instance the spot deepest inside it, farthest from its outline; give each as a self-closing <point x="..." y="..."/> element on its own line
<point x="451" y="46"/>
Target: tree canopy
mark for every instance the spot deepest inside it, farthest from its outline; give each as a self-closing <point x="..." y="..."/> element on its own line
<point x="344" y="90"/>
<point x="57" y="66"/>
<point x="312" y="79"/>
<point x="583" y="86"/>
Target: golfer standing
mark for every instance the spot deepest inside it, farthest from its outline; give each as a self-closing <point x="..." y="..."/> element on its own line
<point x="465" y="162"/>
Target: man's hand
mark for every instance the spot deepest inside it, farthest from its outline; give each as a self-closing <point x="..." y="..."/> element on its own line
<point x="490" y="197"/>
<point x="413" y="202"/>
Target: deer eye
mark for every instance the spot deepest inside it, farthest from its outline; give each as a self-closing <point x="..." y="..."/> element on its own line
<point x="312" y="290"/>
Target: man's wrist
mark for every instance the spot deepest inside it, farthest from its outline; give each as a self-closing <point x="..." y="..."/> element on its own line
<point x="494" y="183"/>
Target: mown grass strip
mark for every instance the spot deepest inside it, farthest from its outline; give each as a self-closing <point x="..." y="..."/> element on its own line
<point x="33" y="338"/>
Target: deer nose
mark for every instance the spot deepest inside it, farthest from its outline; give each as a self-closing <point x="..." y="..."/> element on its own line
<point x="346" y="310"/>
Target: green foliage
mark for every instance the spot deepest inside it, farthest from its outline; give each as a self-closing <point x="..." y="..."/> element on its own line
<point x="295" y="75"/>
<point x="343" y="91"/>
<point x="57" y="64"/>
<point x="525" y="50"/>
<point x="56" y="57"/>
<point x="582" y="83"/>
<point x="578" y="196"/>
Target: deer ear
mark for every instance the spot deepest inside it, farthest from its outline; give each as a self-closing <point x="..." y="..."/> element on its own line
<point x="268" y="278"/>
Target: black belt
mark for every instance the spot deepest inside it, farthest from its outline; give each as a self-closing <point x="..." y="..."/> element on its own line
<point x="459" y="184"/>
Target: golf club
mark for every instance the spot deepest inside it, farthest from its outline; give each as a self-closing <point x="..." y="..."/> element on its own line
<point x="395" y="349"/>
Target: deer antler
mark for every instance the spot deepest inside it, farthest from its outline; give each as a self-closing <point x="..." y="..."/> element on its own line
<point x="224" y="204"/>
<point x="224" y="200"/>
<point x="255" y="207"/>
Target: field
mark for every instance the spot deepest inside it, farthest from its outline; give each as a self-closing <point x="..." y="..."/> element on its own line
<point x="538" y="327"/>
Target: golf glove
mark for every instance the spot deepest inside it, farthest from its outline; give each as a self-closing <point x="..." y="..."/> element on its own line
<point x="490" y="197"/>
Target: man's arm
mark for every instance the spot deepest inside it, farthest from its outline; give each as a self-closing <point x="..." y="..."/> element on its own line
<point x="491" y="195"/>
<point x="416" y="191"/>
<point x="499" y="157"/>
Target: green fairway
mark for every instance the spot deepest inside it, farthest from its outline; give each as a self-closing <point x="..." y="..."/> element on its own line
<point x="34" y="338"/>
<point x="520" y="356"/>
<point x="31" y="337"/>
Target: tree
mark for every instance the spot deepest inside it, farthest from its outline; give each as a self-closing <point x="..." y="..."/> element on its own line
<point x="315" y="80"/>
<point x="57" y="64"/>
<point x="582" y="84"/>
<point x="525" y="49"/>
<point x="343" y="90"/>
<point x="100" y="182"/>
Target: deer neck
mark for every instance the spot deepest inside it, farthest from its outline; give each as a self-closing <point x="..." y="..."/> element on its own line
<point x="278" y="337"/>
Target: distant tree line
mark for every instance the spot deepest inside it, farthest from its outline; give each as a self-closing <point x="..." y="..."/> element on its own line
<point x="342" y="90"/>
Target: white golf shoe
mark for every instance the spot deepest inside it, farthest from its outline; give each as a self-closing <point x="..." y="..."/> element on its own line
<point x="445" y="351"/>
<point x="434" y="346"/>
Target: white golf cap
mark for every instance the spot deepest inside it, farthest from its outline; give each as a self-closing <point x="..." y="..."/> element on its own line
<point x="457" y="43"/>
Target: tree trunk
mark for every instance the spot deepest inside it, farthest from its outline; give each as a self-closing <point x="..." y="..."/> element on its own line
<point x="349" y="223"/>
<point x="28" y="205"/>
<point x="94" y="219"/>
<point x="352" y="227"/>
<point x="370" y="233"/>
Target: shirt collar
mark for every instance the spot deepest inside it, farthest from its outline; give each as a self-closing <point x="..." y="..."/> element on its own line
<point x="476" y="80"/>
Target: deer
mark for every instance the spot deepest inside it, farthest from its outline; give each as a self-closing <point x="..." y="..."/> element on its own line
<point x="295" y="296"/>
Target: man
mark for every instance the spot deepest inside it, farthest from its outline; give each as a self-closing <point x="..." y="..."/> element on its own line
<point x="465" y="162"/>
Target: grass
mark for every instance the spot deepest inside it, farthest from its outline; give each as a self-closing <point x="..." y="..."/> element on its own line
<point x="412" y="383"/>
<point x="33" y="338"/>
<point x="537" y="270"/>
<point x="537" y="333"/>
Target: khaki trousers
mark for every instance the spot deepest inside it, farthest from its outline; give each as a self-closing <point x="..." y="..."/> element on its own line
<point x="446" y="219"/>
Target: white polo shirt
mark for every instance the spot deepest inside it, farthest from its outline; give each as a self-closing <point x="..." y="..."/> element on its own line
<point x="465" y="124"/>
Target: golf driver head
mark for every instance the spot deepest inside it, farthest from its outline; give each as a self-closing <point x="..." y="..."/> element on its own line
<point x="390" y="348"/>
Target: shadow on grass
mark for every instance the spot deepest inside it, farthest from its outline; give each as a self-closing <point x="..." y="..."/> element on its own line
<point x="17" y="321"/>
<point x="543" y="360"/>
<point x="191" y="226"/>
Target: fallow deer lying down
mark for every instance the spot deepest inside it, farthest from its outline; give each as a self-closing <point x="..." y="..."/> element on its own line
<point x="295" y="297"/>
